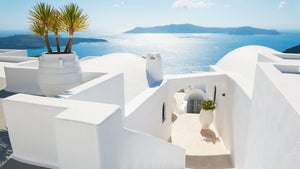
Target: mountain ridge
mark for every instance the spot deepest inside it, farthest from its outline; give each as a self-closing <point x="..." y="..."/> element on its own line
<point x="27" y="41"/>
<point x="190" y="28"/>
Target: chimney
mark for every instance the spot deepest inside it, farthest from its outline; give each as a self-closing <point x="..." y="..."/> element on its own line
<point x="154" y="67"/>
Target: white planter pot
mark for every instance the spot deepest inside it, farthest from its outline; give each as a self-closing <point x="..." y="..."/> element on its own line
<point x="206" y="118"/>
<point x="58" y="73"/>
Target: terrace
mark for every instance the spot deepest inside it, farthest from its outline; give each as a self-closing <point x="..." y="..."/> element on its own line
<point x="124" y="122"/>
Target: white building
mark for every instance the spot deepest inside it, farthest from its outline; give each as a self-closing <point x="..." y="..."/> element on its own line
<point x="121" y="115"/>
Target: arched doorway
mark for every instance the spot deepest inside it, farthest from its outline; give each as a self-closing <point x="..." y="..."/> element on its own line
<point x="194" y="98"/>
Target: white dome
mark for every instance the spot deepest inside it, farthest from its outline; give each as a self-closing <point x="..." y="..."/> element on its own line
<point x="133" y="67"/>
<point x="243" y="60"/>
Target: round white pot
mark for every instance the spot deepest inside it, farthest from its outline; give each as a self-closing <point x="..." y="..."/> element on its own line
<point x="58" y="73"/>
<point x="206" y="118"/>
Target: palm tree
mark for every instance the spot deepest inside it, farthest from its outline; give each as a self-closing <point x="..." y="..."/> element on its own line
<point x="42" y="15"/>
<point x="56" y="27"/>
<point x="73" y="20"/>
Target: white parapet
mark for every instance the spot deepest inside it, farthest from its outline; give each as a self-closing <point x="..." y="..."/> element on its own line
<point x="62" y="133"/>
<point x="13" y="52"/>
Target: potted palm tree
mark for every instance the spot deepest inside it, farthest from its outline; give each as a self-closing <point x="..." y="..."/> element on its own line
<point x="58" y="71"/>
<point x="206" y="114"/>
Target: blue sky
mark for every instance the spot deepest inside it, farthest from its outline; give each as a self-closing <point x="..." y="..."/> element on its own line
<point x="115" y="16"/>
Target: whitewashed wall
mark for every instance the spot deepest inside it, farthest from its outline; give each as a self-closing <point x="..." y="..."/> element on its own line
<point x="30" y="122"/>
<point x="13" y="52"/>
<point x="108" y="88"/>
<point x="144" y="113"/>
<point x="22" y="80"/>
<point x="105" y="144"/>
<point x="61" y="133"/>
<point x="274" y="137"/>
<point x="232" y="118"/>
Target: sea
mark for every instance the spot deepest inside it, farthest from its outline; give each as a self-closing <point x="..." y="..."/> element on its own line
<point x="181" y="53"/>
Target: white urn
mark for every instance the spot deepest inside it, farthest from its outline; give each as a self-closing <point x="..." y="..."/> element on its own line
<point x="58" y="73"/>
<point x="206" y="118"/>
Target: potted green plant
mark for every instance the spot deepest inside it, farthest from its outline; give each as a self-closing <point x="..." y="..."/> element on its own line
<point x="206" y="114"/>
<point x="58" y="71"/>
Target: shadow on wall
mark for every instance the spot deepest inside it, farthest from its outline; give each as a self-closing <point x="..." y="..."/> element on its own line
<point x="151" y="81"/>
<point x="5" y="147"/>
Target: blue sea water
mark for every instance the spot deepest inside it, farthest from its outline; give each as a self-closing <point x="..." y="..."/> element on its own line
<point x="181" y="53"/>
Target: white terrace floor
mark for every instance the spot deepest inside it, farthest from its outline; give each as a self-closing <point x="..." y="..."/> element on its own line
<point x="203" y="148"/>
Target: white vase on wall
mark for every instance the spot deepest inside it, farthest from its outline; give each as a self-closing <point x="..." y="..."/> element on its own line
<point x="58" y="73"/>
<point x="206" y="118"/>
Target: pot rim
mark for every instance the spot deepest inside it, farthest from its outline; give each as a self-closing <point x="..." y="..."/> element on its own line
<point x="46" y="53"/>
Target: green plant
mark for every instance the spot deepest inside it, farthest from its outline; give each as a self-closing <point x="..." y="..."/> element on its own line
<point x="42" y="17"/>
<point x="73" y="20"/>
<point x="207" y="105"/>
<point x="45" y="18"/>
<point x="56" y="27"/>
<point x="36" y="56"/>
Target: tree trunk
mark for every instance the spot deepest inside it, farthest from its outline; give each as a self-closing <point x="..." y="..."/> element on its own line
<point x="47" y="40"/>
<point x="57" y="42"/>
<point x="68" y="48"/>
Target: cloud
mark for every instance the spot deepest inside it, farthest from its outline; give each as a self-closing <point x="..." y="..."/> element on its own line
<point x="281" y="4"/>
<point x="116" y="5"/>
<point x="192" y="4"/>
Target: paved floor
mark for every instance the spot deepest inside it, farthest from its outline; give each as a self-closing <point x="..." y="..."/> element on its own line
<point x="187" y="133"/>
<point x="13" y="164"/>
<point x="204" y="149"/>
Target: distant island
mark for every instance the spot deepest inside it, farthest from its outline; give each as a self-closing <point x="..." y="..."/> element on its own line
<point x="295" y="49"/>
<point x="33" y="42"/>
<point x="189" y="28"/>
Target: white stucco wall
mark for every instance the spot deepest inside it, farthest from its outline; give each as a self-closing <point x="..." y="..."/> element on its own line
<point x="22" y="80"/>
<point x="144" y="113"/>
<point x="13" y="52"/>
<point x="108" y="88"/>
<point x="30" y="122"/>
<point x="105" y="144"/>
<point x="62" y="133"/>
<point x="232" y="118"/>
<point x="274" y="137"/>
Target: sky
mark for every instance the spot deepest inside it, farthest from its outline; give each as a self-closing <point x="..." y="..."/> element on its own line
<point x="116" y="16"/>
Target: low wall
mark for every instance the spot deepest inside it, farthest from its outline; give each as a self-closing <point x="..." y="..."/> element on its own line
<point x="108" y="88"/>
<point x="13" y="52"/>
<point x="95" y="138"/>
<point x="105" y="144"/>
<point x="22" y="80"/>
<point x="30" y="122"/>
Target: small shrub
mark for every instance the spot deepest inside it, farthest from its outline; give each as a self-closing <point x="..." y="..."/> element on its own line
<point x="207" y="105"/>
<point x="36" y="56"/>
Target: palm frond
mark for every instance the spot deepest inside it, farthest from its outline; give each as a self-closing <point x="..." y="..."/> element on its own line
<point x="73" y="19"/>
<point x="37" y="29"/>
<point x="56" y="24"/>
<point x="42" y="13"/>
